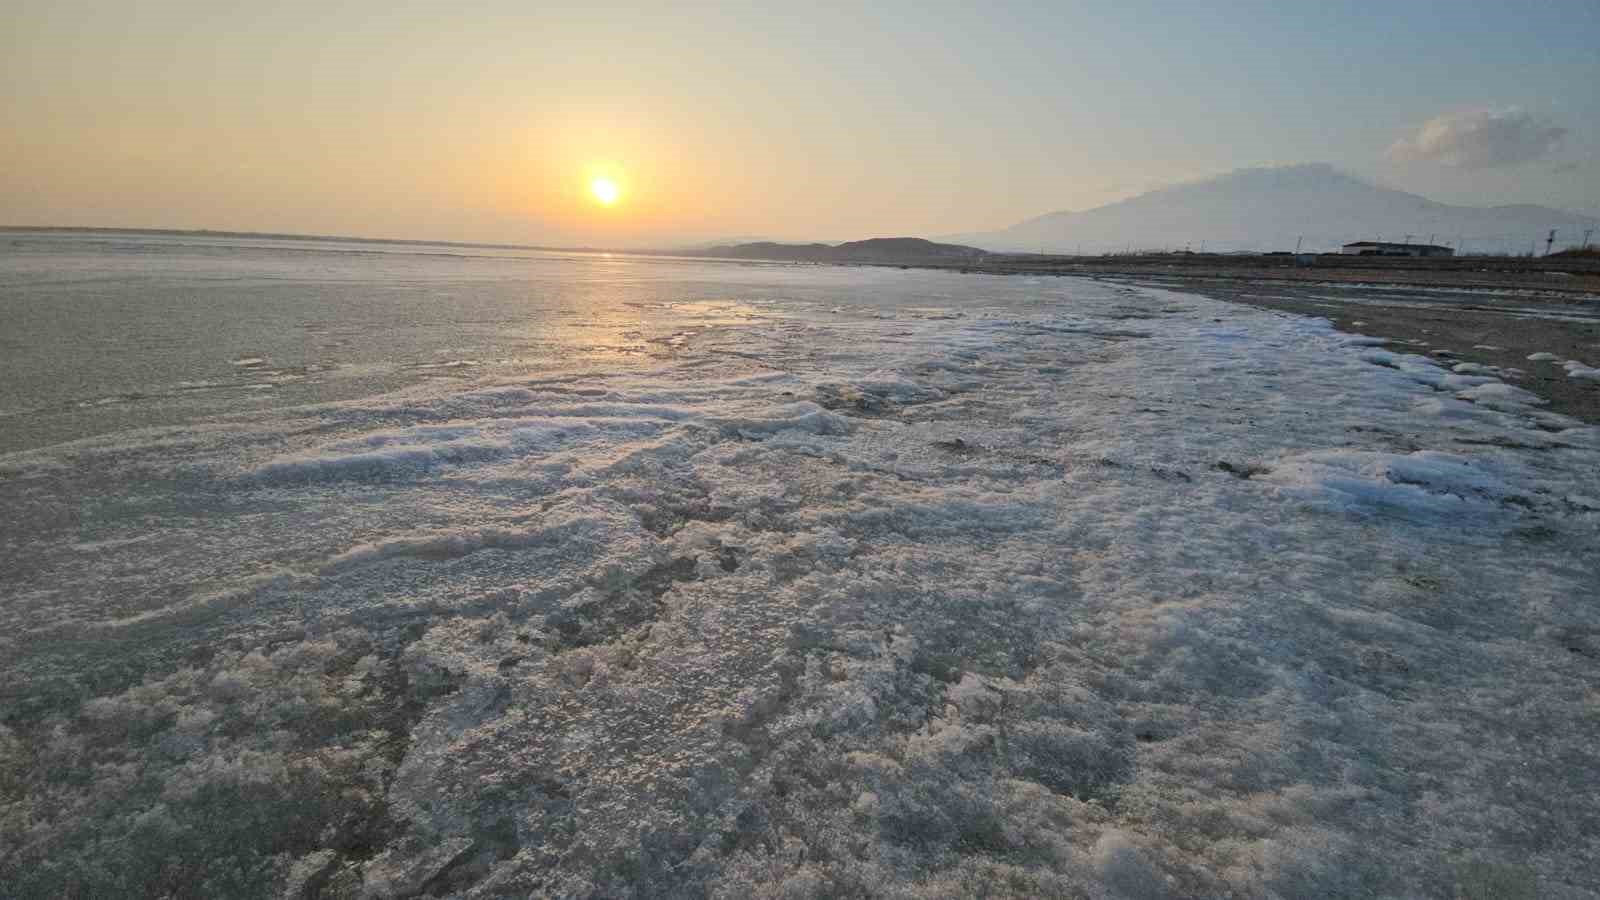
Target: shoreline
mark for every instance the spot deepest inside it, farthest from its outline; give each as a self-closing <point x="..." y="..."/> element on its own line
<point x="1556" y="275"/>
<point x="1501" y="336"/>
<point x="1485" y="312"/>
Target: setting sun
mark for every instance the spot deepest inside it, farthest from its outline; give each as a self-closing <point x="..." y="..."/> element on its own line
<point x="605" y="191"/>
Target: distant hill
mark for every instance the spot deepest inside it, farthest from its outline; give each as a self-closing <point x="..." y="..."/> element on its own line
<point x="874" y="250"/>
<point x="1271" y="208"/>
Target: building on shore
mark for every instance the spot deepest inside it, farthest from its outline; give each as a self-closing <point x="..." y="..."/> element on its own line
<point x="1384" y="248"/>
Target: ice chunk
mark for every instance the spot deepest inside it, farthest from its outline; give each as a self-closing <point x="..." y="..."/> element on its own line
<point x="1576" y="369"/>
<point x="1423" y="483"/>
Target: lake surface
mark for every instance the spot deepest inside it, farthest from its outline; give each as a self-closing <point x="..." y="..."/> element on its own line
<point x="341" y="570"/>
<point x="109" y="331"/>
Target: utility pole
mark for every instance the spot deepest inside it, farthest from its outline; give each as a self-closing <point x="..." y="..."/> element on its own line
<point x="1298" y="242"/>
<point x="1432" y="236"/>
<point x="1549" y="241"/>
<point x="1587" y="232"/>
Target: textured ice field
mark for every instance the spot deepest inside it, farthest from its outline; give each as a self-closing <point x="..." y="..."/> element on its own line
<point x="1129" y="594"/>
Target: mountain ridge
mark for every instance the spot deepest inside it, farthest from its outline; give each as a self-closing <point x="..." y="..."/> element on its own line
<point x="1276" y="208"/>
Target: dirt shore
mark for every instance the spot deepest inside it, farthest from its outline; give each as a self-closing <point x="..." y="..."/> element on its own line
<point x="1555" y="275"/>
<point x="1499" y="329"/>
<point x="1494" y="312"/>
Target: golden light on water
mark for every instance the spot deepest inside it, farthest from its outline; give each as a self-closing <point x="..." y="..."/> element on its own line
<point x="605" y="191"/>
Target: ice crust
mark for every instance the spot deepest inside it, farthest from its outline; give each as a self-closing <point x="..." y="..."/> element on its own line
<point x="1119" y="593"/>
<point x="1577" y="369"/>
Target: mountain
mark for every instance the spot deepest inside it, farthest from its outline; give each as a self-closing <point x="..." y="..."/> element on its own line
<point x="905" y="250"/>
<point x="1272" y="208"/>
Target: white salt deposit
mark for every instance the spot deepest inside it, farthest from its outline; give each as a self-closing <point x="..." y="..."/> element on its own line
<point x="1095" y="591"/>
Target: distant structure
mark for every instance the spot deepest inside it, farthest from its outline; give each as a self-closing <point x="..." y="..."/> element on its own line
<point x="1384" y="248"/>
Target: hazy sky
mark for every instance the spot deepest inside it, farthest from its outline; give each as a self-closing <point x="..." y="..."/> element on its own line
<point x="486" y="120"/>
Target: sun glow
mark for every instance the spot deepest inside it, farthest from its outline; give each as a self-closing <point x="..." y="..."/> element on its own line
<point x="605" y="191"/>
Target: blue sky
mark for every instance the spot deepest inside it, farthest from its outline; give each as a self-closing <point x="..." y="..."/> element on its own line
<point x="791" y="120"/>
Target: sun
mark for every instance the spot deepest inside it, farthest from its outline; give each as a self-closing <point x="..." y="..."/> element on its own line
<point x="605" y="191"/>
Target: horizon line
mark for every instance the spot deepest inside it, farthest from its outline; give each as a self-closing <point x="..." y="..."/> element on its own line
<point x="478" y="245"/>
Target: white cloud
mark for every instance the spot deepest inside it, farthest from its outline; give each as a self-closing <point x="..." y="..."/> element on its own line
<point x="1480" y="138"/>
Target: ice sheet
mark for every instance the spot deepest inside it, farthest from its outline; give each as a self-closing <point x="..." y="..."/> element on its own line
<point x="1126" y="593"/>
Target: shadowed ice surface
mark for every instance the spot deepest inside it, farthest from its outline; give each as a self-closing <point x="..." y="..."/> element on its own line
<point x="754" y="581"/>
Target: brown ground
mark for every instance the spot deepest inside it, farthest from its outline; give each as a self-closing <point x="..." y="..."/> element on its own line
<point x="1554" y="275"/>
<point x="1464" y="324"/>
<point x="1460" y="306"/>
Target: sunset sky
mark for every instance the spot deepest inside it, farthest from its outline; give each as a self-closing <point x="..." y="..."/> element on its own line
<point x="490" y="121"/>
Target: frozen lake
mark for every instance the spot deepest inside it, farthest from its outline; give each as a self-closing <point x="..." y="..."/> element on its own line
<point x="110" y="330"/>
<point x="368" y="570"/>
